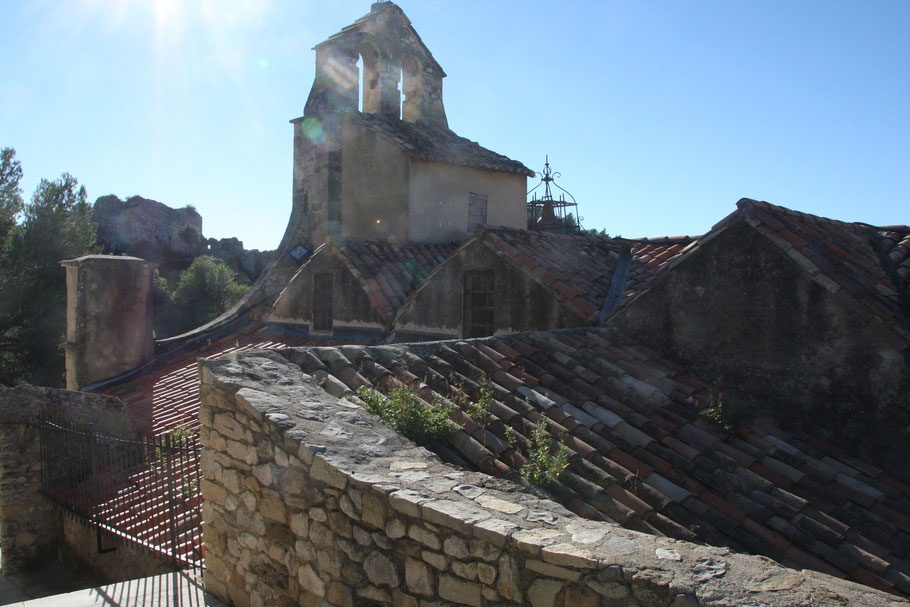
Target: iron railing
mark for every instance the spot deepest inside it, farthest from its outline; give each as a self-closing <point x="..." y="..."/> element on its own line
<point x="143" y="489"/>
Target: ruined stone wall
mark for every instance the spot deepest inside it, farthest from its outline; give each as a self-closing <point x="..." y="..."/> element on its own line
<point x="30" y="530"/>
<point x="312" y="501"/>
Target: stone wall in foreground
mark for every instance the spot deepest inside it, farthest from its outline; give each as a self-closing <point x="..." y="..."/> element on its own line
<point x="313" y="501"/>
<point x="30" y="527"/>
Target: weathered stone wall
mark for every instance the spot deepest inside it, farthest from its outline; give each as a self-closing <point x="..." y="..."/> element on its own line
<point x="312" y="501"/>
<point x="743" y="313"/>
<point x="375" y="182"/>
<point x="30" y="530"/>
<point x="121" y="559"/>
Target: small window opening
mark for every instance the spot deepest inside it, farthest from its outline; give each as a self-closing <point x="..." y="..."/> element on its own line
<point x="369" y="65"/>
<point x="322" y="302"/>
<point x="477" y="211"/>
<point x="479" y="303"/>
<point x="360" y="83"/>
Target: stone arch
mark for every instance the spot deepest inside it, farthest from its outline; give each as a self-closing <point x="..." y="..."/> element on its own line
<point x="370" y="74"/>
<point x="411" y="87"/>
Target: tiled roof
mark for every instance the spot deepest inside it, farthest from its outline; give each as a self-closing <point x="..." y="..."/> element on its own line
<point x="842" y="258"/>
<point x="642" y="456"/>
<point x="892" y="243"/>
<point x="653" y="255"/>
<point x="439" y="145"/>
<point x="580" y="268"/>
<point x="168" y="398"/>
<point x="390" y="271"/>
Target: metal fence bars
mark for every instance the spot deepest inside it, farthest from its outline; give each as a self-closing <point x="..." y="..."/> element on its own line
<point x="144" y="489"/>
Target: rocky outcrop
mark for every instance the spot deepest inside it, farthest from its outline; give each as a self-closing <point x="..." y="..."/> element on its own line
<point x="248" y="263"/>
<point x="147" y="228"/>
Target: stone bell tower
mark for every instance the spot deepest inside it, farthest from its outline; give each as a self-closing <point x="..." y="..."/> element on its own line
<point x="392" y="55"/>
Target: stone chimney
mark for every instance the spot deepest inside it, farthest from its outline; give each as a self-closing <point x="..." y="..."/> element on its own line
<point x="108" y="317"/>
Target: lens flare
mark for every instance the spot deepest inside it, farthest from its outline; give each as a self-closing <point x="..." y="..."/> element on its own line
<point x="312" y="130"/>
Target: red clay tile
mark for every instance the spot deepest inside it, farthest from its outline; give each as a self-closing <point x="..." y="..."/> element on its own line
<point x="579" y="446"/>
<point x="721" y="505"/>
<point x="755" y="440"/>
<point x="826" y="520"/>
<point x="730" y="451"/>
<point x="680" y="447"/>
<point x="630" y="463"/>
<point x="899" y="519"/>
<point x="769" y="474"/>
<point x="805" y="560"/>
<point x="506" y="351"/>
<point x="772" y="538"/>
<point x="864" y="576"/>
<point x="624" y="497"/>
<point x="663" y="422"/>
<point x="655" y="461"/>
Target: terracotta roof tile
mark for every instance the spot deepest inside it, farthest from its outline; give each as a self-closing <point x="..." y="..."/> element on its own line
<point x="868" y="264"/>
<point x="390" y="271"/>
<point x="649" y="462"/>
<point x="579" y="269"/>
<point x="435" y="144"/>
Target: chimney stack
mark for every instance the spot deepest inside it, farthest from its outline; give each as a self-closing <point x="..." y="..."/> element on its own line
<point x="108" y="317"/>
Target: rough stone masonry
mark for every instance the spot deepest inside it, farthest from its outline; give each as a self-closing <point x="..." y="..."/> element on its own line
<point x="311" y="500"/>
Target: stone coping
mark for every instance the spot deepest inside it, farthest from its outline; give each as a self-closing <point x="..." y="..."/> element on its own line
<point x="346" y="447"/>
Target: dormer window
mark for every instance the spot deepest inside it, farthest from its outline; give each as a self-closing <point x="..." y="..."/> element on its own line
<point x="479" y="303"/>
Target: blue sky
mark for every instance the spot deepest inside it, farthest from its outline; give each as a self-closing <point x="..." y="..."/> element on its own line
<point x="660" y="115"/>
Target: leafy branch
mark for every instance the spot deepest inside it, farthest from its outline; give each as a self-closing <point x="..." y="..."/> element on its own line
<point x="545" y="464"/>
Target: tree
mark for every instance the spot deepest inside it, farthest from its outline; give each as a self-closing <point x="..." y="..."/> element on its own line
<point x="55" y="225"/>
<point x="10" y="193"/>
<point x="206" y="289"/>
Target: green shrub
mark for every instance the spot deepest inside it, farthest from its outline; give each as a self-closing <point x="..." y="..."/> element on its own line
<point x="544" y="465"/>
<point x="720" y="413"/>
<point x="407" y="414"/>
<point x="482" y="409"/>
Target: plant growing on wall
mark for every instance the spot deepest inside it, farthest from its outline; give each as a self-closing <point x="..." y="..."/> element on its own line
<point x="545" y="464"/>
<point x="720" y="413"/>
<point x="480" y="410"/>
<point x="409" y="415"/>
